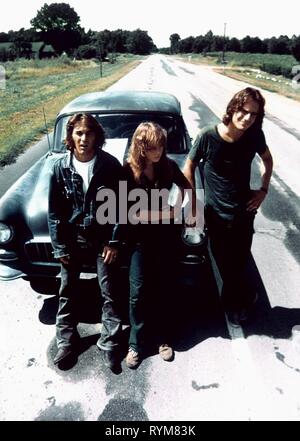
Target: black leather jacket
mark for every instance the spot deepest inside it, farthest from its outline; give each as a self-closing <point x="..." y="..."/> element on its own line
<point x="72" y="213"/>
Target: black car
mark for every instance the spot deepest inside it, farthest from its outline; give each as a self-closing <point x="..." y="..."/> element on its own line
<point x="25" y="247"/>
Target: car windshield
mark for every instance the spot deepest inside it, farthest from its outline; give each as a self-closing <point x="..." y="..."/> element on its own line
<point x="122" y="126"/>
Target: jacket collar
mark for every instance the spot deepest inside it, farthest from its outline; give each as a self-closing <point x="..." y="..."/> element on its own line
<point x="97" y="166"/>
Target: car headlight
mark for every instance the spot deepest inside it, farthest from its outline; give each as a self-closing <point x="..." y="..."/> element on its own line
<point x="192" y="236"/>
<point x="6" y="233"/>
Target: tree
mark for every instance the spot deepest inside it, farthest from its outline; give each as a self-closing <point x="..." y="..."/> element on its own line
<point x="100" y="41"/>
<point x="174" y="40"/>
<point x="59" y="25"/>
<point x="86" y="51"/>
<point x="264" y="45"/>
<point x="3" y="37"/>
<point x="233" y="45"/>
<point x="199" y="44"/>
<point x="140" y="43"/>
<point x="218" y="43"/>
<point x="120" y="38"/>
<point x="279" y="45"/>
<point x="20" y="44"/>
<point x="186" y="45"/>
<point x="295" y="47"/>
<point x="3" y="54"/>
<point x="252" y="44"/>
<point x="208" y="37"/>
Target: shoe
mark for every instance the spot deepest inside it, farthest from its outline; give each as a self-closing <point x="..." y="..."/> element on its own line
<point x="133" y="359"/>
<point x="166" y="352"/>
<point x="65" y="358"/>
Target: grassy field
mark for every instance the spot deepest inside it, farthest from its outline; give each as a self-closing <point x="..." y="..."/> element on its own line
<point x="34" y="84"/>
<point x="273" y="83"/>
<point x="271" y="63"/>
<point x="255" y="69"/>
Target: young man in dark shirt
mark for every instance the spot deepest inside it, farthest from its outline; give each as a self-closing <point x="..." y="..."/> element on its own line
<point x="230" y="204"/>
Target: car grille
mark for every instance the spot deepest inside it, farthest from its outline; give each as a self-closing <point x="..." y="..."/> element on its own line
<point x="39" y="252"/>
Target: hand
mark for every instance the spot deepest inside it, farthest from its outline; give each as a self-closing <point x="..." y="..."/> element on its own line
<point x="109" y="254"/>
<point x="190" y="221"/>
<point x="256" y="200"/>
<point x="65" y="260"/>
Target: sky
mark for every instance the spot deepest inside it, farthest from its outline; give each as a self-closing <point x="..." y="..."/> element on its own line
<point x="161" y="18"/>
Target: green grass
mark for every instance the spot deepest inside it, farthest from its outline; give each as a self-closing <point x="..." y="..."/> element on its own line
<point x="5" y="45"/>
<point x="271" y="63"/>
<point x="268" y="71"/>
<point x="34" y="84"/>
<point x="273" y="83"/>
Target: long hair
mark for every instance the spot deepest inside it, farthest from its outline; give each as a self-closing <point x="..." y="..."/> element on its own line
<point x="91" y="123"/>
<point x="237" y="102"/>
<point x="147" y="135"/>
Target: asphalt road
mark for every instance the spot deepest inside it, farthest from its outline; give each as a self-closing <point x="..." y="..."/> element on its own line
<point x="219" y="373"/>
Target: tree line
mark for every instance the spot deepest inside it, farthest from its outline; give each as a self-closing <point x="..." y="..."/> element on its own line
<point x="209" y="42"/>
<point x="58" y="25"/>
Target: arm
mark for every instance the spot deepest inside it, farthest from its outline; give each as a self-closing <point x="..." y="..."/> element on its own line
<point x="56" y="219"/>
<point x="189" y="171"/>
<point x="195" y="155"/>
<point x="268" y="168"/>
<point x="186" y="188"/>
<point x="118" y="234"/>
<point x="258" y="196"/>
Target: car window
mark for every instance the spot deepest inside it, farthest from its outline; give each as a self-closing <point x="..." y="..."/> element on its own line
<point x="122" y="126"/>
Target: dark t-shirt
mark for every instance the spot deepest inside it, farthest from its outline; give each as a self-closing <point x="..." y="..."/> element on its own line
<point x="227" y="168"/>
<point x="161" y="179"/>
<point x="154" y="232"/>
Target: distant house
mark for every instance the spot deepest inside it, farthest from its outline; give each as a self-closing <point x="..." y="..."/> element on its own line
<point x="42" y="50"/>
<point x="39" y="49"/>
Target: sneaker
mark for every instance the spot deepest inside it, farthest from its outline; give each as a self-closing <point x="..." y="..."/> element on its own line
<point x="133" y="359"/>
<point x="166" y="352"/>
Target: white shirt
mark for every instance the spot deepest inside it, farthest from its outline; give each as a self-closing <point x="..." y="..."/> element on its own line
<point x="85" y="170"/>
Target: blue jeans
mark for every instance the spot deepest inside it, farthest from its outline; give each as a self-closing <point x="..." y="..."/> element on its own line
<point x="66" y="321"/>
<point x="152" y="277"/>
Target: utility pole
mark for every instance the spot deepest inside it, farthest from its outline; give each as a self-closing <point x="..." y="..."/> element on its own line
<point x="223" y="54"/>
<point x="100" y="51"/>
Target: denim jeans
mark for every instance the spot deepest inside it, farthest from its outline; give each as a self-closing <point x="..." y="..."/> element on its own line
<point x="66" y="320"/>
<point x="152" y="277"/>
<point x="230" y="243"/>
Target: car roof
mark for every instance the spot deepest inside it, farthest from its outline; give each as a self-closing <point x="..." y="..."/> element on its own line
<point x="123" y="101"/>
